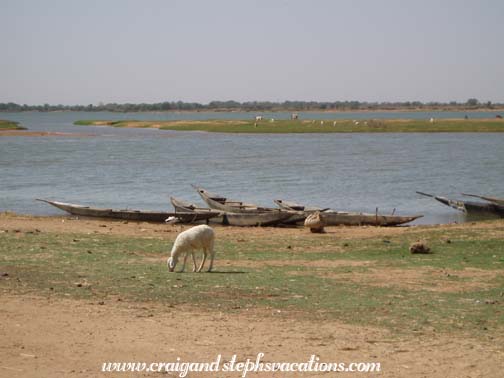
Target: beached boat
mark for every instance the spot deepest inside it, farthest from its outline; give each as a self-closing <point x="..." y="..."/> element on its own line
<point x="131" y="215"/>
<point x="185" y="206"/>
<point x="250" y="219"/>
<point x="497" y="201"/>
<point x="218" y="202"/>
<point x="289" y="205"/>
<point x="479" y="209"/>
<point x="343" y="218"/>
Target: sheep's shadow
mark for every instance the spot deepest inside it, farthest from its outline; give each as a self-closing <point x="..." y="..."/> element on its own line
<point x="216" y="272"/>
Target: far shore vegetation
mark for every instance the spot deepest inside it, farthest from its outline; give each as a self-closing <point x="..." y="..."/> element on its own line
<point x="471" y="104"/>
<point x="313" y="126"/>
<point x="10" y="125"/>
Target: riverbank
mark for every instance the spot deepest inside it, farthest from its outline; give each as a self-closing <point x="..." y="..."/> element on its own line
<point x="353" y="294"/>
<point x="312" y="126"/>
<point x="6" y="125"/>
<point x="256" y="108"/>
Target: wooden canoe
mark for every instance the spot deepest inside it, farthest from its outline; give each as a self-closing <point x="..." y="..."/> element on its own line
<point x="185" y="206"/>
<point x="249" y="219"/>
<point x="339" y="218"/>
<point x="289" y="205"/>
<point x="477" y="209"/>
<point x="131" y="215"/>
<point x="497" y="201"/>
<point x="218" y="202"/>
<point x="343" y="218"/>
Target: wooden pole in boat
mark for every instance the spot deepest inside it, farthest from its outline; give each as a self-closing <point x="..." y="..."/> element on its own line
<point x="426" y="194"/>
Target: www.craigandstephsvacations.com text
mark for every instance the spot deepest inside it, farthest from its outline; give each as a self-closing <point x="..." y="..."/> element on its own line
<point x="257" y="365"/>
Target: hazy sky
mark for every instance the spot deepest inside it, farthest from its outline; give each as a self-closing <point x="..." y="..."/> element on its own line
<point x="62" y="51"/>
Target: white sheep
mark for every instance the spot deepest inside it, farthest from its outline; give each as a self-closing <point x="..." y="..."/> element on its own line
<point x="199" y="237"/>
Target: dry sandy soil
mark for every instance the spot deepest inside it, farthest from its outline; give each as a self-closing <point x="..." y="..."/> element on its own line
<point x="69" y="224"/>
<point x="54" y="337"/>
<point x="68" y="338"/>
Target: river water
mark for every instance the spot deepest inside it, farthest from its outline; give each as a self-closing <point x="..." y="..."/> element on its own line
<point x="141" y="168"/>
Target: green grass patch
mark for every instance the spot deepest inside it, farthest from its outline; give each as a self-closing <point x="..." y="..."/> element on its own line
<point x="373" y="281"/>
<point x="10" y="125"/>
<point x="304" y="126"/>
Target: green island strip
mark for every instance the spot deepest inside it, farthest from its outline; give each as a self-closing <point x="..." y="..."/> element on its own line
<point x="10" y="125"/>
<point x="373" y="281"/>
<point x="311" y="126"/>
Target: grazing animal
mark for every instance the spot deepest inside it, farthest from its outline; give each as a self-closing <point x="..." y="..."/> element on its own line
<point x="322" y="123"/>
<point x="272" y="120"/>
<point x="258" y="118"/>
<point x="334" y="123"/>
<point x="199" y="237"/>
<point x="431" y="120"/>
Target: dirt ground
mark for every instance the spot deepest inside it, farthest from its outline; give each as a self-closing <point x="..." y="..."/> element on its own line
<point x="69" y="338"/>
<point x="54" y="337"/>
<point x="69" y="224"/>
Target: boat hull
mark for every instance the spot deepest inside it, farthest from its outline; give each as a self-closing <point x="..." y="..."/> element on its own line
<point x="221" y="203"/>
<point x="477" y="209"/>
<point x="363" y="219"/>
<point x="130" y="215"/>
<point x="336" y="218"/>
<point x="247" y="219"/>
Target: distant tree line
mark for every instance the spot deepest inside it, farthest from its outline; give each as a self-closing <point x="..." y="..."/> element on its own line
<point x="471" y="103"/>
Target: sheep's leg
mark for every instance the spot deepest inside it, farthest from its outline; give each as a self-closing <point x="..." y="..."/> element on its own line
<point x="212" y="256"/>
<point x="202" y="261"/>
<point x="194" y="261"/>
<point x="183" y="264"/>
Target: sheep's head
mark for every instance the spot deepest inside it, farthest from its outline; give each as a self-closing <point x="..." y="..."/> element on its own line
<point x="172" y="263"/>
